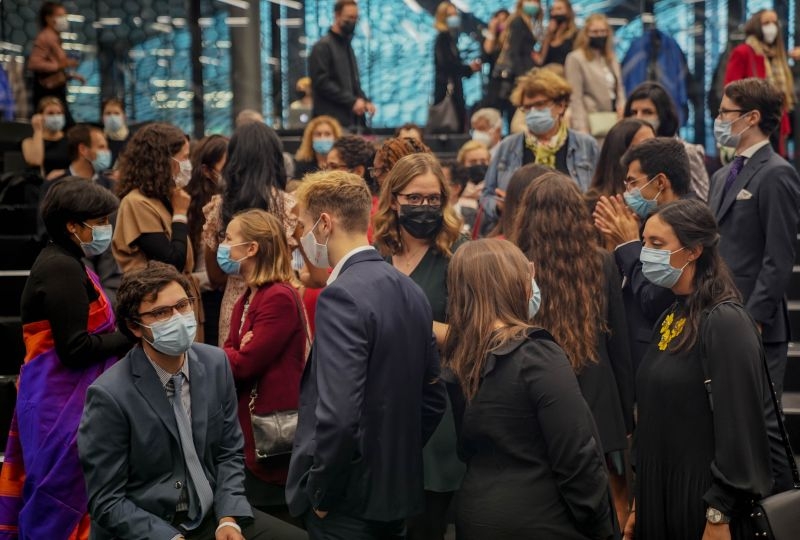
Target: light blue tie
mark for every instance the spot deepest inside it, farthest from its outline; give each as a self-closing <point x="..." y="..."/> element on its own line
<point x="200" y="495"/>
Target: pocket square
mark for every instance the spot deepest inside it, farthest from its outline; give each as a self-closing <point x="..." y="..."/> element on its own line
<point x="744" y="195"/>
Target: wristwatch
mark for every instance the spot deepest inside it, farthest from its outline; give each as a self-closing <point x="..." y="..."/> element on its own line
<point x="716" y="517"/>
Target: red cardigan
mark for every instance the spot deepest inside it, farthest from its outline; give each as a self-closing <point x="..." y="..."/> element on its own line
<point x="274" y="358"/>
<point x="744" y="63"/>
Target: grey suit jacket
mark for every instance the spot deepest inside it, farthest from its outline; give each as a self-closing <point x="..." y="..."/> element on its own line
<point x="589" y="88"/>
<point x="757" y="219"/>
<point x="130" y="448"/>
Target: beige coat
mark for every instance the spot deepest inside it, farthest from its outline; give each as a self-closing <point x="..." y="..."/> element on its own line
<point x="590" y="89"/>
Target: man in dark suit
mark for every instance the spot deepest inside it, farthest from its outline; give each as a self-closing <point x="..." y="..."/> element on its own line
<point x="370" y="396"/>
<point x="159" y="441"/>
<point x="333" y="69"/>
<point x="658" y="173"/>
<point x="755" y="199"/>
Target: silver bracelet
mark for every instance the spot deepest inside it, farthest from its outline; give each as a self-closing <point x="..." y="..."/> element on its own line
<point x="229" y="524"/>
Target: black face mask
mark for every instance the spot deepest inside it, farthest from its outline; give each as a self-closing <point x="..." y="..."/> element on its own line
<point x="477" y="172"/>
<point x="598" y="42"/>
<point x="560" y="19"/>
<point x="423" y="221"/>
<point x="347" y="28"/>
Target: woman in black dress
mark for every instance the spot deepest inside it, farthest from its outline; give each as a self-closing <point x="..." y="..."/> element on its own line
<point x="697" y="470"/>
<point x="448" y="67"/>
<point x="534" y="463"/>
<point x="582" y="307"/>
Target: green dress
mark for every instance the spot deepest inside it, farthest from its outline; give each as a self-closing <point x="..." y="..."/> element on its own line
<point x="443" y="470"/>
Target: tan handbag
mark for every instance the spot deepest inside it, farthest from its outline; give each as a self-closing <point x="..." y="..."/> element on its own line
<point x="600" y="123"/>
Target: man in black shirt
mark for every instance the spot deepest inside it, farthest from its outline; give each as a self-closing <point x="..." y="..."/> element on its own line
<point x="334" y="72"/>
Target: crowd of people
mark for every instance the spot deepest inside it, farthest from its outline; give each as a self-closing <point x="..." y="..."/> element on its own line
<point x="366" y="341"/>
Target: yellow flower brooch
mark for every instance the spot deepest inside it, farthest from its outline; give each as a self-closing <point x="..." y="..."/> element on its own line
<point x="670" y="331"/>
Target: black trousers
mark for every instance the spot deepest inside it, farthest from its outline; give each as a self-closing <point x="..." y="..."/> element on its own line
<point x="262" y="527"/>
<point x="337" y="526"/>
<point x="431" y="524"/>
<point x="776" y="354"/>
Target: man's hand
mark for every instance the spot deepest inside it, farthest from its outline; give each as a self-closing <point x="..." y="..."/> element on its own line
<point x="228" y="532"/>
<point x="370" y="108"/>
<point x="360" y="106"/>
<point x="615" y="220"/>
<point x="721" y="531"/>
<point x="321" y="513"/>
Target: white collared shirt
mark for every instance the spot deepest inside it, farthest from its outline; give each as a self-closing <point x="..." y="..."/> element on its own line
<point x="340" y="264"/>
<point x="750" y="151"/>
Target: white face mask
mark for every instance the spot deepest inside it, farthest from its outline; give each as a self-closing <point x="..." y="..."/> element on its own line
<point x="770" y="33"/>
<point x="317" y="253"/>
<point x="185" y="174"/>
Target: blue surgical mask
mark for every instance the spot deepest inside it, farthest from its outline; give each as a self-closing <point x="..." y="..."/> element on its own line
<point x="322" y="146"/>
<point x="54" y="122"/>
<point x="101" y="239"/>
<point x="539" y="121"/>
<point x="317" y="253"/>
<point x="453" y="22"/>
<point x="657" y="269"/>
<point x="636" y="201"/>
<point x="723" y="135"/>
<point x="102" y="160"/>
<point x="535" y="301"/>
<point x="174" y="336"/>
<point x="232" y="267"/>
<point x="531" y="9"/>
<point x="113" y="123"/>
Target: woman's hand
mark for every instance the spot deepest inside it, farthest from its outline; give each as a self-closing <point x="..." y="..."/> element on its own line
<point x="37" y="122"/>
<point x="720" y="531"/>
<point x="630" y="526"/>
<point x="247" y="338"/>
<point x="180" y="200"/>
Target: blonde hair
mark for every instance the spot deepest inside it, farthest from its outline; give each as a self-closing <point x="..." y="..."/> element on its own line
<point x="387" y="229"/>
<point x="488" y="280"/>
<point x="541" y="81"/>
<point x="469" y="146"/>
<point x="306" y="150"/>
<point x="440" y="19"/>
<point x="340" y="193"/>
<point x="49" y="100"/>
<point x="273" y="260"/>
<point x="582" y="40"/>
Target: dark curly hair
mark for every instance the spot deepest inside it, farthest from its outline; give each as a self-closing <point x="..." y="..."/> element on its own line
<point x="143" y="285"/>
<point x="553" y="228"/>
<point x="355" y="151"/>
<point x="255" y="172"/>
<point x="204" y="184"/>
<point x="146" y="162"/>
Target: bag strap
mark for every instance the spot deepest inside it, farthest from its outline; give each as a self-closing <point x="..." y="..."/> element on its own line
<point x="303" y="322"/>
<point x="787" y="447"/>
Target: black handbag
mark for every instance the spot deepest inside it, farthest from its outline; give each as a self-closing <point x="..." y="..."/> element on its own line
<point x="443" y="116"/>
<point x="273" y="433"/>
<point x="776" y="517"/>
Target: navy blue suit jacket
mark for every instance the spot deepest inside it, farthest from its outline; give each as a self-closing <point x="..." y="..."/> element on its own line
<point x="757" y="220"/>
<point x="370" y="397"/>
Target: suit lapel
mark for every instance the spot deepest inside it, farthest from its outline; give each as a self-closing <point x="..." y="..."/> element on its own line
<point x="752" y="166"/>
<point x="147" y="383"/>
<point x="197" y="390"/>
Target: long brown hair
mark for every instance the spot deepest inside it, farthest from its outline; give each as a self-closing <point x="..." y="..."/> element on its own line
<point x="146" y="162"/>
<point x="387" y="228"/>
<point x="555" y="231"/>
<point x="489" y="282"/>
<point x="306" y="150"/>
<point x="204" y="183"/>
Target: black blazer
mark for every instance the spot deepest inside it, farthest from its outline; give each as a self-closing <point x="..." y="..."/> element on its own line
<point x="448" y="68"/>
<point x="758" y="224"/>
<point x="369" y="399"/>
<point x="335" y="82"/>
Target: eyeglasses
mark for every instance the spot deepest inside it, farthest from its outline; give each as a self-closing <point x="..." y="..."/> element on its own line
<point x="631" y="182"/>
<point x="163" y="313"/>
<point x="537" y="105"/>
<point x="415" y="199"/>
<point x="376" y="172"/>
<point x="723" y="112"/>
